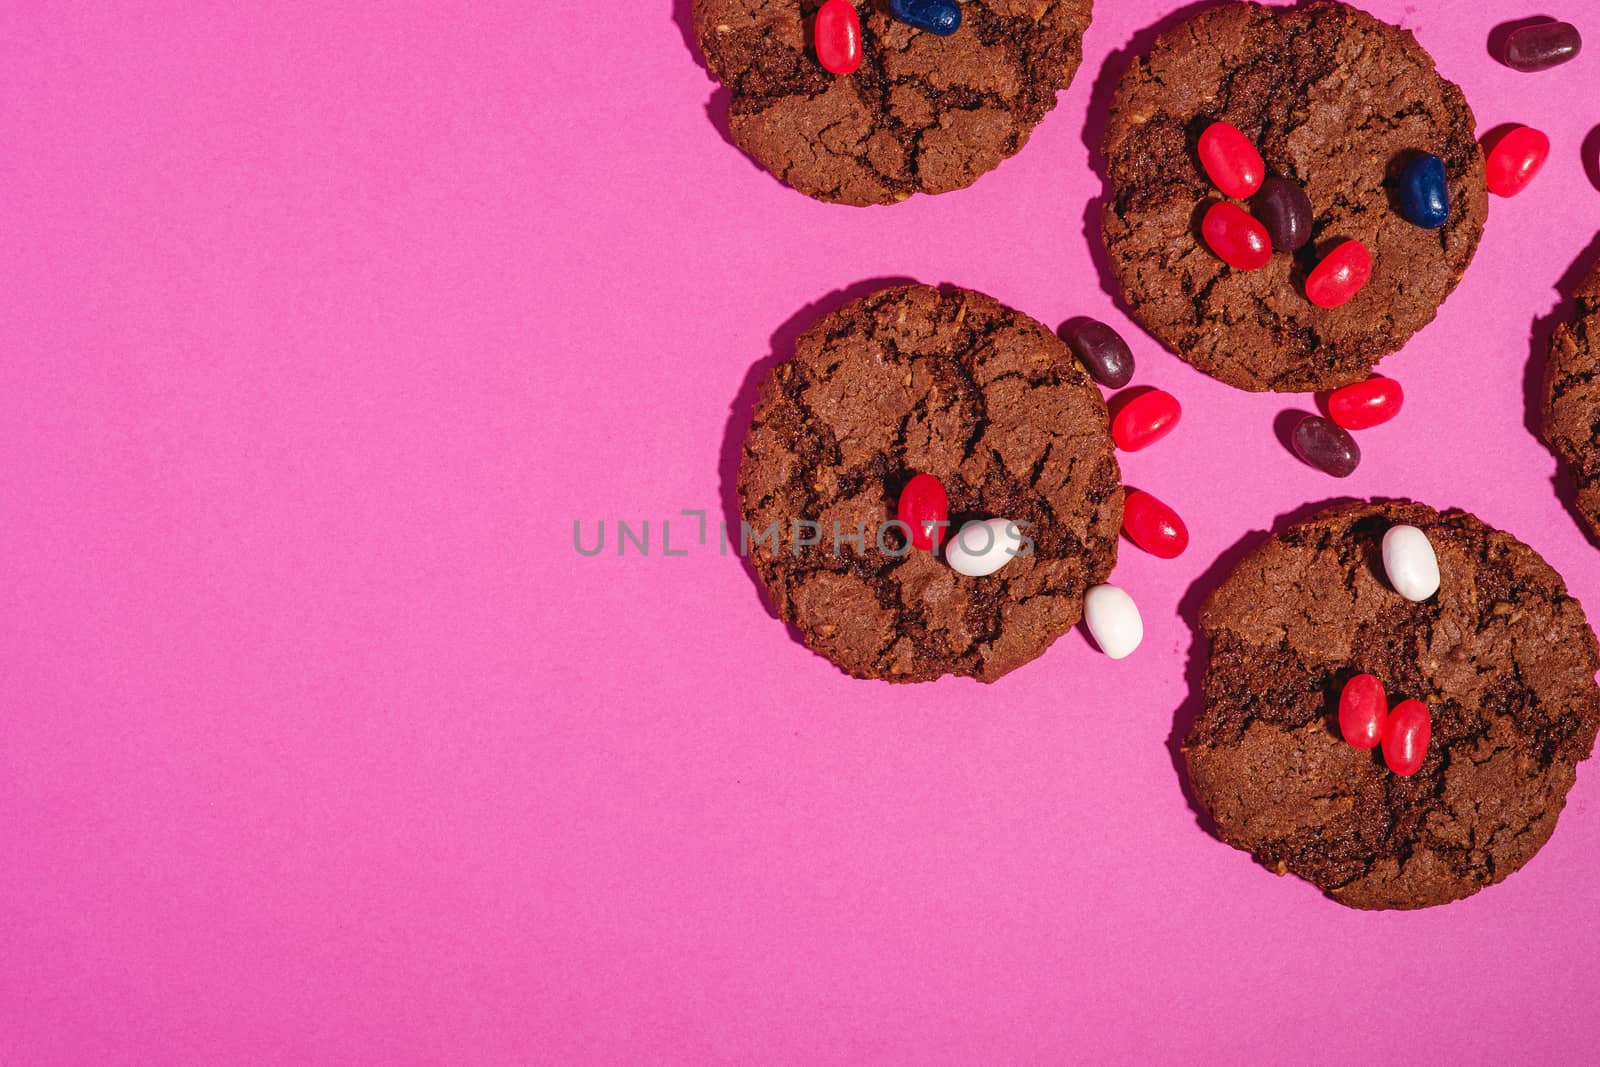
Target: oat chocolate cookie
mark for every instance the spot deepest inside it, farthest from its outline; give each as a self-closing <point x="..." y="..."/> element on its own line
<point x="951" y="383"/>
<point x="922" y="114"/>
<point x="1335" y="100"/>
<point x="1572" y="398"/>
<point x="1501" y="655"/>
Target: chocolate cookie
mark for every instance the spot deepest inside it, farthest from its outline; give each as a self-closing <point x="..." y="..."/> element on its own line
<point x="1572" y="398"/>
<point x="922" y="114"/>
<point x="953" y="384"/>
<point x="1335" y="100"/>
<point x="1501" y="655"/>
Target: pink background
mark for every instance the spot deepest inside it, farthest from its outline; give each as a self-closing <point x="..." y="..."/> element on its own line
<point x="320" y="326"/>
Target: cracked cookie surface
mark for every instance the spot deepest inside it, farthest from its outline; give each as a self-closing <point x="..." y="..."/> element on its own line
<point x="923" y="113"/>
<point x="1334" y="99"/>
<point x="1502" y="656"/>
<point x="1572" y="398"/>
<point x="951" y="383"/>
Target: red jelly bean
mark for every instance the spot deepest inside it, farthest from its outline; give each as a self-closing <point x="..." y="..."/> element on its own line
<point x="1145" y="419"/>
<point x="1231" y="161"/>
<point x="1514" y="161"/>
<point x="838" y="37"/>
<point x="1232" y="234"/>
<point x="1363" y="711"/>
<point x="1405" y="742"/>
<point x="1153" y="526"/>
<point x="1340" y="275"/>
<point x="925" y="508"/>
<point x="1366" y="404"/>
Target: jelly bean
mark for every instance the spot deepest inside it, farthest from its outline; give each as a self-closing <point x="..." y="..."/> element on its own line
<point x="1410" y="563"/>
<point x="1153" y="526"/>
<point x="1363" y="711"/>
<point x="837" y="33"/>
<point x="1238" y="239"/>
<point x="1113" y="620"/>
<point x="936" y="16"/>
<point x="983" y="546"/>
<point x="1340" y="275"/>
<point x="924" y="508"/>
<point x="1145" y="419"/>
<point x="1515" y="160"/>
<point x="1541" y="46"/>
<point x="1326" y="446"/>
<point x="1405" y="742"/>
<point x="1366" y="404"/>
<point x="1101" y="350"/>
<point x="1424" y="196"/>
<point x="1231" y="161"/>
<point x="1285" y="210"/>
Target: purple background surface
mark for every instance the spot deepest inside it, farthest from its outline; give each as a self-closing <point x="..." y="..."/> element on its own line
<point x="321" y="325"/>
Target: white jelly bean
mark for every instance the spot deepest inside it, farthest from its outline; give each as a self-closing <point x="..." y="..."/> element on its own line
<point x="1409" y="562"/>
<point x="983" y="547"/>
<point x="1113" y="620"/>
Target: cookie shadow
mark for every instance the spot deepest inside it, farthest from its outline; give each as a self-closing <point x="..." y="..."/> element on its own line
<point x="742" y="410"/>
<point x="1544" y="327"/>
<point x="1591" y="156"/>
<point x="1189" y="608"/>
<point x="1101" y="94"/>
<point x="717" y="105"/>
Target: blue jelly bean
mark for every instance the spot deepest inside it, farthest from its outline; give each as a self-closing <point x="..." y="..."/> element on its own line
<point x="1424" y="197"/>
<point x="936" y="16"/>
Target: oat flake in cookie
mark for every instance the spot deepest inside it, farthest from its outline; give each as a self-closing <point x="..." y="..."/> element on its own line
<point x="1501" y="655"/>
<point x="1572" y="398"/>
<point x="1334" y="99"/>
<point x="951" y="383"/>
<point x="922" y="114"/>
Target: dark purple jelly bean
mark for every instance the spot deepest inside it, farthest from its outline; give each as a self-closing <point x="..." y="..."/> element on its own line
<point x="1101" y="350"/>
<point x="1541" y="46"/>
<point x="1327" y="446"/>
<point x="1285" y="210"/>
